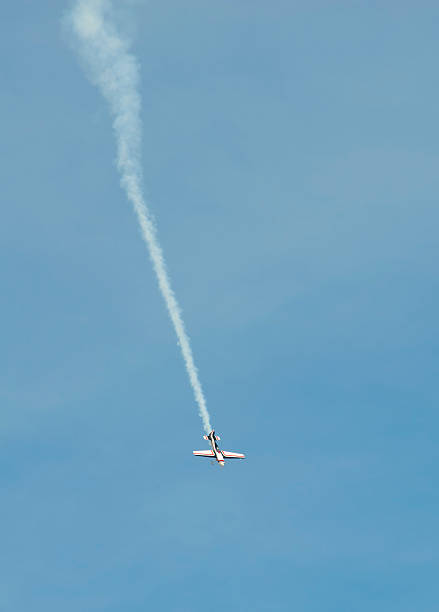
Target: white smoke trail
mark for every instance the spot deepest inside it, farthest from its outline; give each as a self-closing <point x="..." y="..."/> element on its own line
<point x="115" y="71"/>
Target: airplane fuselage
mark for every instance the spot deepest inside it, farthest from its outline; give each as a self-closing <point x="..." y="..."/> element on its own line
<point x="216" y="451"/>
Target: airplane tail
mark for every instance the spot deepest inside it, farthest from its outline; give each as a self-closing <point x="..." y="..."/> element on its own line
<point x="214" y="435"/>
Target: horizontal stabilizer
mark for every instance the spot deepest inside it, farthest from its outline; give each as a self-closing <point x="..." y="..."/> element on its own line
<point x="229" y="455"/>
<point x="204" y="453"/>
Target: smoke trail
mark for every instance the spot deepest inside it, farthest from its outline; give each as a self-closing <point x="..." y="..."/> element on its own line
<point x="115" y="71"/>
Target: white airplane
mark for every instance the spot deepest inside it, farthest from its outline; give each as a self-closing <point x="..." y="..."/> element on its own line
<point x="216" y="453"/>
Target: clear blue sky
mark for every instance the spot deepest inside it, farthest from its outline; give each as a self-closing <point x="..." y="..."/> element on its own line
<point x="292" y="161"/>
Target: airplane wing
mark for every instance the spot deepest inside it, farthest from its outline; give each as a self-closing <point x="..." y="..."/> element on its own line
<point x="229" y="455"/>
<point x="204" y="453"/>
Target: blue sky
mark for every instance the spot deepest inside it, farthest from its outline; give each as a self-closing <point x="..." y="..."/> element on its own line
<point x="291" y="158"/>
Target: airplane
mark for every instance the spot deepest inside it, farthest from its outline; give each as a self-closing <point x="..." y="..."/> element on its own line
<point x="216" y="453"/>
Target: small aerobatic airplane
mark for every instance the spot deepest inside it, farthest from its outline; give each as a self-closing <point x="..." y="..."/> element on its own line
<point x="216" y="453"/>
